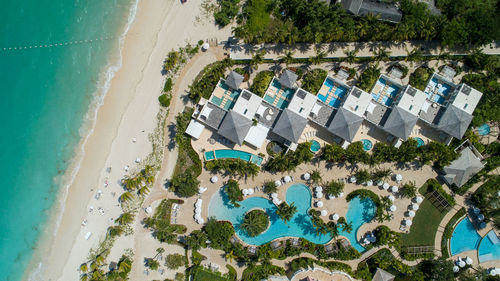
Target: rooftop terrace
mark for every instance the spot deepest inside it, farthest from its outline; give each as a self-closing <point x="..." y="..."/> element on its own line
<point x="224" y="96"/>
<point x="278" y="95"/>
<point x="332" y="92"/>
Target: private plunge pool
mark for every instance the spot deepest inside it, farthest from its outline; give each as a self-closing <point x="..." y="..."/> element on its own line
<point x="465" y="238"/>
<point x="233" y="154"/>
<point x="359" y="212"/>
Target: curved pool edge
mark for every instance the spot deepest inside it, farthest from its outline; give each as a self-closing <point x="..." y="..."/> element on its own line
<point x="486" y="236"/>
<point x="448" y="242"/>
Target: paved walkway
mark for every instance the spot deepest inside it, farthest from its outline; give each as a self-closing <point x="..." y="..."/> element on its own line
<point x="337" y="50"/>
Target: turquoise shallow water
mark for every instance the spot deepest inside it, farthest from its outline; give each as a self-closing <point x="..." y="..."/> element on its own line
<point x="464" y="237"/>
<point x="358" y="213"/>
<point x="46" y="93"/>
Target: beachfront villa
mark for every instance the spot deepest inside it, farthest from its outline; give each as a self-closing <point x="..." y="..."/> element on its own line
<point x="465" y="167"/>
<point x="398" y="112"/>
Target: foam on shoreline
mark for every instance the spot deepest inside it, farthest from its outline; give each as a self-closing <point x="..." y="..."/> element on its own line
<point x="35" y="269"/>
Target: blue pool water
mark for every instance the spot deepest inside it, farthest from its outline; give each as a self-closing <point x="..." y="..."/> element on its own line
<point x="420" y="142"/>
<point x="367" y="144"/>
<point x="464" y="237"/>
<point x="230" y="95"/>
<point x="388" y="95"/>
<point x="359" y="212"/>
<point x="229" y="153"/>
<point x="284" y="100"/>
<point x="484" y="129"/>
<point x="315" y="146"/>
<point x="489" y="248"/>
<point x="47" y="93"/>
<point x="444" y="89"/>
<point x="336" y="97"/>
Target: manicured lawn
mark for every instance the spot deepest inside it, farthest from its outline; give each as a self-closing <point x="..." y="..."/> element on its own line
<point x="425" y="224"/>
<point x="203" y="275"/>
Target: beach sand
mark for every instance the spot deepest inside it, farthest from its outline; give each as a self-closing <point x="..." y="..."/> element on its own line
<point x="128" y="113"/>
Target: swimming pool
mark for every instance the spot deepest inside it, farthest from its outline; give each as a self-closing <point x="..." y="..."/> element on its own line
<point x="359" y="212"/>
<point x="484" y="129"/>
<point x="280" y="100"/>
<point x="420" y="142"/>
<point x="437" y="90"/>
<point x="229" y="153"/>
<point x="315" y="146"/>
<point x="367" y="144"/>
<point x="489" y="248"/>
<point x="464" y="237"/>
<point x="385" y="92"/>
<point x="227" y="97"/>
<point x="333" y="99"/>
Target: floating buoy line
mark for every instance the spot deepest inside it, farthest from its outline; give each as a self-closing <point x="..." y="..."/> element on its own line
<point x="60" y="44"/>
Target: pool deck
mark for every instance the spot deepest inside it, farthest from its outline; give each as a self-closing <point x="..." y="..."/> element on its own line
<point x="274" y="95"/>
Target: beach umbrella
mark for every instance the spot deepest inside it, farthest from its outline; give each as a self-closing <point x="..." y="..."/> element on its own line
<point x="201" y="221"/>
<point x="318" y="189"/>
<point x="366" y="241"/>
<point x="394" y="188"/>
<point x="319" y="194"/>
<point x="369" y="183"/>
<point x="493" y="272"/>
<point x="411" y="214"/>
<point x="197" y="211"/>
<point x="214" y="179"/>
<point x="480" y="217"/>
<point x="324" y="213"/>
<point x="399" y="177"/>
<point x="277" y="183"/>
<point x="148" y="210"/>
<point x="335" y="217"/>
<point x="461" y="263"/>
<point x="137" y="160"/>
<point x="198" y="204"/>
<point x="341" y="194"/>
<point x="419" y="199"/>
<point x="414" y="206"/>
<point x="307" y="176"/>
<point x="329" y="196"/>
<point x="197" y="216"/>
<point x="202" y="189"/>
<point x="482" y="225"/>
<point x="468" y="260"/>
<point x="391" y="197"/>
<point x="353" y="179"/>
<point x="287" y="179"/>
<point x="276" y="201"/>
<point x="393" y="208"/>
<point x="408" y="222"/>
<point x="455" y="268"/>
<point x="250" y="191"/>
<point x="274" y="195"/>
<point x="380" y="183"/>
<point x="319" y="204"/>
<point x="372" y="238"/>
<point x="476" y="210"/>
<point x="244" y="191"/>
<point x="205" y="46"/>
<point x="498" y="193"/>
<point x="385" y="186"/>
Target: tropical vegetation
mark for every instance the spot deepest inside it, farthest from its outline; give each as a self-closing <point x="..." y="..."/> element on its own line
<point x="255" y="222"/>
<point x="233" y="192"/>
<point x="286" y="212"/>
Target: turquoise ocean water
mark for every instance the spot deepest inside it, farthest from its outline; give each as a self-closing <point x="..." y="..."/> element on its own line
<point x="46" y="94"/>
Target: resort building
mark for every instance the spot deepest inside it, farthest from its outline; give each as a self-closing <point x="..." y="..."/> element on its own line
<point x="386" y="11"/>
<point x="293" y="120"/>
<point x="382" y="275"/>
<point x="465" y="167"/>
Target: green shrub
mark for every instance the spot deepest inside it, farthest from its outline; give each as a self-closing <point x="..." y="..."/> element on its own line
<point x="420" y="77"/>
<point x="168" y="85"/>
<point x="385" y="236"/>
<point x="368" y="78"/>
<point x="174" y="261"/>
<point x="207" y="79"/>
<point x="171" y="61"/>
<point x="165" y="100"/>
<point x="255" y="222"/>
<point x="226" y="12"/>
<point x="261" y="82"/>
<point x="313" y="80"/>
<point x="233" y="192"/>
<point x="233" y="166"/>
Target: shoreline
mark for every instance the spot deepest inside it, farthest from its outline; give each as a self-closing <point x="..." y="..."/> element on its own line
<point x="120" y="135"/>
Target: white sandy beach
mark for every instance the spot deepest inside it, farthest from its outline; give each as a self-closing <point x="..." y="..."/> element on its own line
<point x="128" y="112"/>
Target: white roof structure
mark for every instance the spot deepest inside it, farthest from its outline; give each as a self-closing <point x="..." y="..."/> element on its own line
<point x="357" y="101"/>
<point x="257" y="135"/>
<point x="412" y="100"/>
<point x="195" y="129"/>
<point x="467" y="98"/>
<point x="302" y="102"/>
<point x="247" y="104"/>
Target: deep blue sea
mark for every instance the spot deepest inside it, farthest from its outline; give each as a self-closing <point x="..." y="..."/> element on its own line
<point x="46" y="93"/>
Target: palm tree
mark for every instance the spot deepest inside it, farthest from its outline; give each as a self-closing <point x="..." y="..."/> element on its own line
<point x="153" y="264"/>
<point x="287" y="58"/>
<point x="286" y="212"/>
<point x="347" y="227"/>
<point x="125" y="265"/>
<point x="130" y="183"/>
<point x="84" y="267"/>
<point x="114" y="231"/>
<point x="381" y="54"/>
<point x="230" y="256"/>
<point x="257" y="59"/>
<point x="414" y="55"/>
<point x="159" y="251"/>
<point x="320" y="55"/>
<point x="350" y="55"/>
<point x="126" y="196"/>
<point x="144" y="190"/>
<point x="315" y="177"/>
<point x="125" y="218"/>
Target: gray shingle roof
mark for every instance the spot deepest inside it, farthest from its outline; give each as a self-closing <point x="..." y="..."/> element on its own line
<point x="345" y="124"/>
<point x="382" y="275"/>
<point x="352" y="6"/>
<point x="386" y="11"/>
<point x="234" y="80"/>
<point x="290" y="125"/>
<point x="454" y="121"/>
<point x="400" y="123"/>
<point x="235" y="127"/>
<point x="463" y="168"/>
<point x="288" y="78"/>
